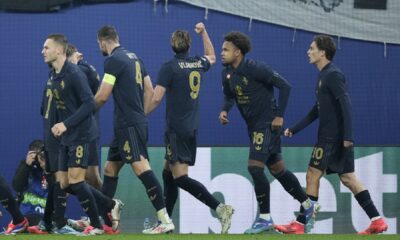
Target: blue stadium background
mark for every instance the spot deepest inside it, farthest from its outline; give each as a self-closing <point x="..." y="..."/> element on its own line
<point x="145" y="29"/>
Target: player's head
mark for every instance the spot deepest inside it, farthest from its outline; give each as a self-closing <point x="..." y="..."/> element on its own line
<point x="322" y="47"/>
<point x="180" y="41"/>
<point x="235" y="46"/>
<point x="107" y="35"/>
<point x="73" y="54"/>
<point x="54" y="47"/>
<point x="37" y="146"/>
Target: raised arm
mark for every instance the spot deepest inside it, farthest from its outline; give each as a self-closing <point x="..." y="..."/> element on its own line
<point x="209" y="51"/>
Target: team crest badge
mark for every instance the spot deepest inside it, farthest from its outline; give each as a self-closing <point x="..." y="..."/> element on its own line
<point x="228" y="76"/>
<point x="245" y="81"/>
<point x="62" y="84"/>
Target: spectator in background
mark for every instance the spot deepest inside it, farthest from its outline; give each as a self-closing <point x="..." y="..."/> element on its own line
<point x="30" y="183"/>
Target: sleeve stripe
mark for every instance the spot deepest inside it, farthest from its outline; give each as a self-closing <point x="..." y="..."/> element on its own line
<point x="108" y="78"/>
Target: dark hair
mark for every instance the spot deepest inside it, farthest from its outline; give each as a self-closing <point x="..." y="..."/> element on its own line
<point x="180" y="41"/>
<point x="60" y="39"/>
<point x="71" y="49"/>
<point x="36" y="145"/>
<point x="326" y="43"/>
<point x="107" y="33"/>
<point x="240" y="40"/>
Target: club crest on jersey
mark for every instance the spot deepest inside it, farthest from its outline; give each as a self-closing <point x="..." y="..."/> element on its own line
<point x="245" y="81"/>
<point x="228" y="76"/>
<point x="62" y="84"/>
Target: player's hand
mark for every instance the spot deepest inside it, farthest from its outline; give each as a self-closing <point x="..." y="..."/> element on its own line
<point x="288" y="133"/>
<point x="277" y="123"/>
<point x="199" y="28"/>
<point x="223" y="117"/>
<point x="347" y="144"/>
<point x="30" y="157"/>
<point x="58" y="129"/>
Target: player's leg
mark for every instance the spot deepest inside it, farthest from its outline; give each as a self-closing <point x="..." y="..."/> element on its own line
<point x="153" y="188"/>
<point x="170" y="189"/>
<point x="60" y="195"/>
<point x="111" y="169"/>
<point x="306" y="218"/>
<point x="92" y="172"/>
<point x="260" y="139"/>
<point x="378" y="224"/>
<point x="110" y="182"/>
<point x="18" y="223"/>
<point x="78" y="158"/>
<point x="110" y="209"/>
<point x="180" y="154"/>
<point x="264" y="221"/>
<point x="350" y="180"/>
<point x="132" y="145"/>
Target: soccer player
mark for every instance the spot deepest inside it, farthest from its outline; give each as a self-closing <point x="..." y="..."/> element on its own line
<point x="76" y="57"/>
<point x="180" y="80"/>
<point x="126" y="78"/>
<point x="251" y="85"/>
<point x="52" y="147"/>
<point x="333" y="152"/>
<point x="77" y="129"/>
<point x="19" y="223"/>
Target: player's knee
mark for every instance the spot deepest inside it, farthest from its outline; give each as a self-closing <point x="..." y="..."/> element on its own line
<point x="313" y="175"/>
<point x="183" y="182"/>
<point x="76" y="176"/>
<point x="256" y="173"/>
<point x="348" y="180"/>
<point x="140" y="167"/>
<point x="277" y="168"/>
<point x="110" y="170"/>
<point x="94" y="181"/>
<point x="64" y="184"/>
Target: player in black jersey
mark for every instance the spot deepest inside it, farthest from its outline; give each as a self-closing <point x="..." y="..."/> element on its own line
<point x="251" y="84"/>
<point x="333" y="152"/>
<point x="180" y="80"/>
<point x="76" y="57"/>
<point x="77" y="129"/>
<point x="125" y="77"/>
